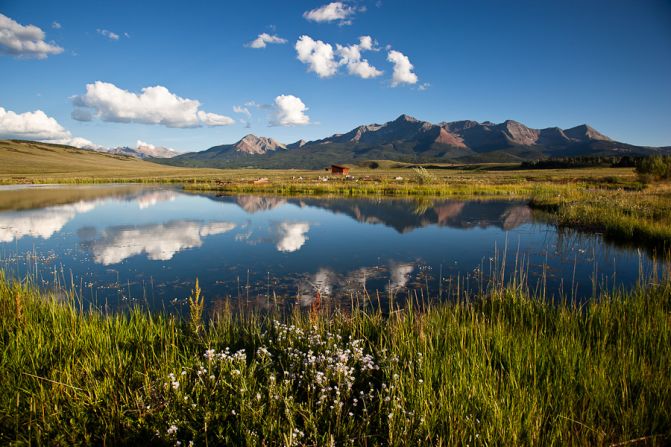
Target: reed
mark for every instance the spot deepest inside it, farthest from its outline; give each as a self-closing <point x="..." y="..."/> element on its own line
<point x="502" y="367"/>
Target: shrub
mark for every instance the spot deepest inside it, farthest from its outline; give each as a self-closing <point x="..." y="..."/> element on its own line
<point x="654" y="168"/>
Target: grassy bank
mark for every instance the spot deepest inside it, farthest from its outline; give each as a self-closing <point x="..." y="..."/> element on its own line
<point x="502" y="369"/>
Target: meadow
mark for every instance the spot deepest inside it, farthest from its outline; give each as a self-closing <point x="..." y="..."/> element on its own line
<point x="500" y="368"/>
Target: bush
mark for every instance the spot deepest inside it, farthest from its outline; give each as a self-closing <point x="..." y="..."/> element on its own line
<point x="654" y="168"/>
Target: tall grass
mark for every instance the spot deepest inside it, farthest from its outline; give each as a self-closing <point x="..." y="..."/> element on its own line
<point x="502" y="368"/>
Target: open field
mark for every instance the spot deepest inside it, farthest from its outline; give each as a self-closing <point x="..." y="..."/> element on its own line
<point x="498" y="369"/>
<point x="31" y="162"/>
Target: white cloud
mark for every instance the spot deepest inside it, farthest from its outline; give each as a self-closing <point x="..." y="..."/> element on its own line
<point x="153" y="105"/>
<point x="109" y="34"/>
<point x="263" y="39"/>
<point x="321" y="59"/>
<point x="159" y="242"/>
<point x="289" y="111"/>
<point x="24" y="41"/>
<point x="212" y="119"/>
<point x="423" y="87"/>
<point x="317" y="55"/>
<point x="243" y="111"/>
<point x="351" y="57"/>
<point x="334" y="11"/>
<point x="38" y="126"/>
<point x="291" y="236"/>
<point x="403" y="73"/>
<point x="56" y="25"/>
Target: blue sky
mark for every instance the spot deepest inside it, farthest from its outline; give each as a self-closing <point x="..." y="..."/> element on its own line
<point x="560" y="63"/>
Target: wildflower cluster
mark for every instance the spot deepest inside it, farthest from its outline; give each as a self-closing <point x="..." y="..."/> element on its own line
<point x="313" y="382"/>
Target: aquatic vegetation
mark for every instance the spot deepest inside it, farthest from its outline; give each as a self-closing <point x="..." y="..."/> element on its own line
<point x="499" y="368"/>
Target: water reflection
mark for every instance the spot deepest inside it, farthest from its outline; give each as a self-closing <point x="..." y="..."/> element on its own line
<point x="42" y="223"/>
<point x="150" y="199"/>
<point x="159" y="242"/>
<point x="291" y="236"/>
<point x="253" y="204"/>
<point x="402" y="215"/>
<point x="119" y="239"/>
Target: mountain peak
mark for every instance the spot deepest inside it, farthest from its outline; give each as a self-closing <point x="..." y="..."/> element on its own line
<point x="298" y="144"/>
<point x="144" y="150"/>
<point x="406" y="118"/>
<point x="585" y="132"/>
<point x="251" y="144"/>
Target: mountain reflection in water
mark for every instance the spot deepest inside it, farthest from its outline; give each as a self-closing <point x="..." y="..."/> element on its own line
<point x="134" y="242"/>
<point x="403" y="215"/>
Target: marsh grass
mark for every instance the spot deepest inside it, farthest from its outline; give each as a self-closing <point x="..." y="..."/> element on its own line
<point x="498" y="368"/>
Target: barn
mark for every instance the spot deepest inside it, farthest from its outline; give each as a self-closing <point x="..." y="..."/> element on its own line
<point x="339" y="170"/>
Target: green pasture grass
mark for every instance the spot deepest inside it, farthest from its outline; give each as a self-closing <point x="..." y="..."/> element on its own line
<point x="500" y="368"/>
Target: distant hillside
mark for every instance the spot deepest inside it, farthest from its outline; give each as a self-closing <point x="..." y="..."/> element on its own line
<point x="31" y="159"/>
<point x="410" y="140"/>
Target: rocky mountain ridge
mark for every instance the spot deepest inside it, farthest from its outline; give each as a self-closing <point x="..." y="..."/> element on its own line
<point x="408" y="139"/>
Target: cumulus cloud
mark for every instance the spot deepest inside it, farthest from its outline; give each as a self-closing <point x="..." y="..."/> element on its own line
<point x="317" y="55"/>
<point x="403" y="73"/>
<point x="24" y="41"/>
<point x="56" y="25"/>
<point x="291" y="236"/>
<point x="153" y="105"/>
<point x="160" y="242"/>
<point x="334" y="11"/>
<point x="264" y="39"/>
<point x="350" y="56"/>
<point x="38" y="126"/>
<point x="289" y="111"/>
<point x="324" y="61"/>
<point x="107" y="33"/>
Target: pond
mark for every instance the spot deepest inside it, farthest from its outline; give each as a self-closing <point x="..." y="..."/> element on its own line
<point x="118" y="245"/>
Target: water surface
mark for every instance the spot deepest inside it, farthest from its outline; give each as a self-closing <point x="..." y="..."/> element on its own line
<point x="130" y="243"/>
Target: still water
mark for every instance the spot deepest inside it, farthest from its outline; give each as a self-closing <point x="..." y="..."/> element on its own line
<point x="129" y="244"/>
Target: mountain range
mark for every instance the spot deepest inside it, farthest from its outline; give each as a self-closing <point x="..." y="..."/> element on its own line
<point x="143" y="150"/>
<point x="407" y="139"/>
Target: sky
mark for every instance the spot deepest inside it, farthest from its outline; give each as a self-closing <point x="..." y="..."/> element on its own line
<point x="191" y="75"/>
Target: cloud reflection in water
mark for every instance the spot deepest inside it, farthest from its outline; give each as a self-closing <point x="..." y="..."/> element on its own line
<point x="160" y="242"/>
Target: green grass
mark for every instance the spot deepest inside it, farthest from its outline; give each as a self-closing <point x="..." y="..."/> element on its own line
<point x="499" y="369"/>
